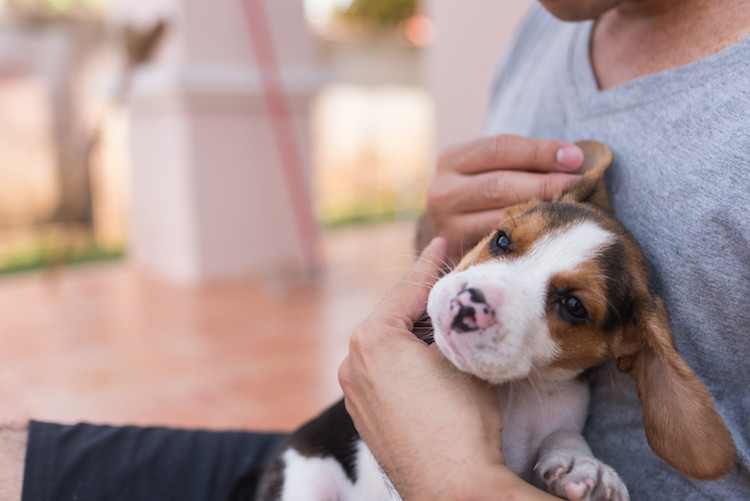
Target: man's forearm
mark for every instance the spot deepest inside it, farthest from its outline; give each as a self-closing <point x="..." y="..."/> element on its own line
<point x="492" y="483"/>
<point x="12" y="458"/>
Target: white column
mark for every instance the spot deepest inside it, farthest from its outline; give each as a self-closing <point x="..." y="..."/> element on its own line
<point x="209" y="199"/>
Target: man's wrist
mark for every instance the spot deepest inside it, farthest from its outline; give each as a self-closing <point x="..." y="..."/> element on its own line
<point x="485" y="483"/>
<point x="500" y="483"/>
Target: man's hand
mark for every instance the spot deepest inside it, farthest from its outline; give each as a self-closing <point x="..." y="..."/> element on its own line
<point x="429" y="426"/>
<point x="474" y="181"/>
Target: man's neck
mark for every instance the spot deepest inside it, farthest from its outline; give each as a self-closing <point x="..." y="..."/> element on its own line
<point x="640" y="37"/>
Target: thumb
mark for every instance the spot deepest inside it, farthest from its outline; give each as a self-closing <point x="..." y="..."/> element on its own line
<point x="406" y="303"/>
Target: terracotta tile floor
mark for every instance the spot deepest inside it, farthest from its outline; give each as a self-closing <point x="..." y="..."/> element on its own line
<point x="106" y="344"/>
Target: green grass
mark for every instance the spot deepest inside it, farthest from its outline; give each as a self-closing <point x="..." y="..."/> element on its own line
<point x="44" y="252"/>
<point x="351" y="218"/>
<point x="370" y="210"/>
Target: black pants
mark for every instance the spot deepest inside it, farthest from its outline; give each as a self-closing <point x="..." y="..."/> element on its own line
<point x="103" y="463"/>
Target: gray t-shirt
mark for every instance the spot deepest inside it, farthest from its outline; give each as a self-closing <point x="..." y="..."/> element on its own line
<point x="681" y="183"/>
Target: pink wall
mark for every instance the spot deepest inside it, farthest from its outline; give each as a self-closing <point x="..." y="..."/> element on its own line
<point x="471" y="36"/>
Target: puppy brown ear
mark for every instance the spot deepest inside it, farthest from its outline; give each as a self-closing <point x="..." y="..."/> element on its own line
<point x="682" y="424"/>
<point x="597" y="157"/>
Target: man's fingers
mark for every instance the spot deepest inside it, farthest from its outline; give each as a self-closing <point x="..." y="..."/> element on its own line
<point x="472" y="228"/>
<point x="494" y="190"/>
<point x="512" y="152"/>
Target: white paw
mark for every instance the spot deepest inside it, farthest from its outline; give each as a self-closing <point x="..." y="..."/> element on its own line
<point x="581" y="479"/>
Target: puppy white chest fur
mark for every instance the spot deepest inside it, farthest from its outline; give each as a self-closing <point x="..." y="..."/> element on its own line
<point x="533" y="410"/>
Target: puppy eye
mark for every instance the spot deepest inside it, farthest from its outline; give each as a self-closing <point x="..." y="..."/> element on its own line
<point x="500" y="243"/>
<point x="573" y="311"/>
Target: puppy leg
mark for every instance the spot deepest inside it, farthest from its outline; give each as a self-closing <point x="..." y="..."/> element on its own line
<point x="568" y="469"/>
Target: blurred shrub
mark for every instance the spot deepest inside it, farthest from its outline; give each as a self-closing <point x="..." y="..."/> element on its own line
<point x="51" y="247"/>
<point x="53" y="7"/>
<point x="380" y="13"/>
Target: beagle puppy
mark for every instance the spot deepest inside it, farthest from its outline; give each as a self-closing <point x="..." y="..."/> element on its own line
<point x="557" y="288"/>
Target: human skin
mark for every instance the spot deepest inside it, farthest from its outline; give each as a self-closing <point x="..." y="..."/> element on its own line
<point x="475" y="180"/>
<point x="578" y="10"/>
<point x="12" y="454"/>
<point x="631" y="38"/>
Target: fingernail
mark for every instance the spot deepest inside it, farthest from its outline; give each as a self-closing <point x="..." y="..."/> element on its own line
<point x="570" y="157"/>
<point x="436" y="241"/>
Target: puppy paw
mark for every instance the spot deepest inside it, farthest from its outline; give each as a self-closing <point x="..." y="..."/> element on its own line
<point x="581" y="479"/>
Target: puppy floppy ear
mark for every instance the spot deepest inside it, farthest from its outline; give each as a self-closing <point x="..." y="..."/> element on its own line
<point x="682" y="424"/>
<point x="597" y="157"/>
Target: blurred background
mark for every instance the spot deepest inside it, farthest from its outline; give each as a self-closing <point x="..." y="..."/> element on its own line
<point x="199" y="200"/>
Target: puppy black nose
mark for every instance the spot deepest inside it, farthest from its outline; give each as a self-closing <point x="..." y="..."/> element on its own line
<point x="471" y="311"/>
<point x="475" y="295"/>
<point x="465" y="320"/>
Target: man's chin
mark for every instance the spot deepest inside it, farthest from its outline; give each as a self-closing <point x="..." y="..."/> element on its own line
<point x="578" y="10"/>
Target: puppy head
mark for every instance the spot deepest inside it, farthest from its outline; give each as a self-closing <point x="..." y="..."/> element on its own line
<point x="547" y="290"/>
<point x="561" y="286"/>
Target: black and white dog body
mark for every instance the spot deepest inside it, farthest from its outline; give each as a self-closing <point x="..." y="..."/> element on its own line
<point x="558" y="288"/>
